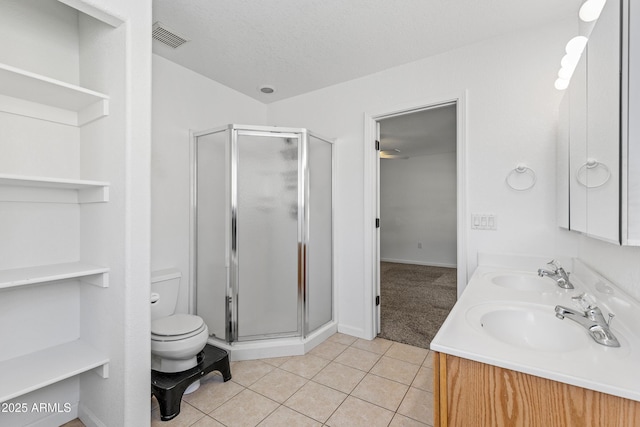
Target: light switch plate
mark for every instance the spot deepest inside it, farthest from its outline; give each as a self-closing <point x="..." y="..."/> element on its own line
<point x="484" y="221"/>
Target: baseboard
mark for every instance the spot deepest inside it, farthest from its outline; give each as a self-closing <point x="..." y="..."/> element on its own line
<point x="89" y="418"/>
<point x="429" y="264"/>
<point x="350" y="330"/>
<point x="57" y="418"/>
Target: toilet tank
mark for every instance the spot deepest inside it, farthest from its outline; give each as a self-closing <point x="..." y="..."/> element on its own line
<point x="165" y="285"/>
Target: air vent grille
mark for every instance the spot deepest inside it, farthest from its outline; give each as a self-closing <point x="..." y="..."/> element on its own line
<point x="167" y="36"/>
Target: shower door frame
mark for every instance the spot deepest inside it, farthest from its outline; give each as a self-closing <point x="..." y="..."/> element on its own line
<point x="231" y="236"/>
<point x="235" y="249"/>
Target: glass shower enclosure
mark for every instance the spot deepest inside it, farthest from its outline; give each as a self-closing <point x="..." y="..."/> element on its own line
<point x="262" y="231"/>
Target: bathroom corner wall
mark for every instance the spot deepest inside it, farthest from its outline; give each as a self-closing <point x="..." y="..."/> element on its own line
<point x="182" y="101"/>
<point x="617" y="263"/>
<point x="511" y="115"/>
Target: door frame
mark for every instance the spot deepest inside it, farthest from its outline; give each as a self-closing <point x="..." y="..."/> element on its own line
<point x="372" y="194"/>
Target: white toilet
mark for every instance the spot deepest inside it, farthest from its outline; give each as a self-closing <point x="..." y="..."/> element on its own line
<point x="176" y="339"/>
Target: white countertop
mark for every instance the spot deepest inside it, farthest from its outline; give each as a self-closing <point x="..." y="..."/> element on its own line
<point x="579" y="361"/>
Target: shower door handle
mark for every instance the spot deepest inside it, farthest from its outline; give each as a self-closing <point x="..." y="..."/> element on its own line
<point x="234" y="229"/>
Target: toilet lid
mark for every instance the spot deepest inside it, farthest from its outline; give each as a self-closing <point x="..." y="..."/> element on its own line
<point x="178" y="324"/>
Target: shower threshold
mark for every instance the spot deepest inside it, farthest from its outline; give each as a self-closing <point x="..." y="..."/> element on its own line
<point x="276" y="347"/>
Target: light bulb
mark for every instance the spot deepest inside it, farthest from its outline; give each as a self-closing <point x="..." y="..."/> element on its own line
<point x="576" y="45"/>
<point x="565" y="73"/>
<point x="561" y="84"/>
<point x="591" y="9"/>
<point x="568" y="61"/>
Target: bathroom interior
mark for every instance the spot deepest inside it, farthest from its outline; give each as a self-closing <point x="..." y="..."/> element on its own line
<point x="126" y="161"/>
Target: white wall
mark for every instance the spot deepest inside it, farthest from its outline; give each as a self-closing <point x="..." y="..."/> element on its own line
<point x="418" y="205"/>
<point x="511" y="118"/>
<point x="617" y="263"/>
<point x="184" y="100"/>
<point x="48" y="32"/>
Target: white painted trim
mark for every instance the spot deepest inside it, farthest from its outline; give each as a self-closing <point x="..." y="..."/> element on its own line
<point x="353" y="331"/>
<point x="408" y="261"/>
<point x="371" y="264"/>
<point x="278" y="347"/>
<point x="88" y="417"/>
<point x="99" y="14"/>
<point x="462" y="186"/>
<point x="193" y="205"/>
<point x="56" y="418"/>
<point x="334" y="253"/>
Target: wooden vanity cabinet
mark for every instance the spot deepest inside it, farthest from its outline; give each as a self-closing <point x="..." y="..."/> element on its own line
<point x="469" y="393"/>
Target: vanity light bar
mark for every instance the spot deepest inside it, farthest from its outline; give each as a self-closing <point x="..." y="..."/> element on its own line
<point x="589" y="12"/>
<point x="591" y="9"/>
<point x="570" y="60"/>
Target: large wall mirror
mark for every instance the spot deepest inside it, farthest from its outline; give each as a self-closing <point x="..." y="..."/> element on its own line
<point x="597" y="181"/>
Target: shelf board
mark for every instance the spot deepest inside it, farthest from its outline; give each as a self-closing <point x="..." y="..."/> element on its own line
<point x="92" y="274"/>
<point x="24" y="374"/>
<point x="26" y="93"/>
<point x="16" y="188"/>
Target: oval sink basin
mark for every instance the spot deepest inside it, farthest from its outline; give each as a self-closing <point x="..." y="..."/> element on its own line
<point x="523" y="282"/>
<point x="528" y="326"/>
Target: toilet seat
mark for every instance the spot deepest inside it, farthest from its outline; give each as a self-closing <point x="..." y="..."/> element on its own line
<point x="176" y="327"/>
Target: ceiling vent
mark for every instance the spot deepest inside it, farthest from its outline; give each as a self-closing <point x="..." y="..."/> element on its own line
<point x="167" y="36"/>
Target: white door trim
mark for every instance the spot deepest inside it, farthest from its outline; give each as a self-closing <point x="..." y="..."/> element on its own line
<point x="371" y="241"/>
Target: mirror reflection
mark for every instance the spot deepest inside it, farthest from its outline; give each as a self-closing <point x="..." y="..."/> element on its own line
<point x="589" y="133"/>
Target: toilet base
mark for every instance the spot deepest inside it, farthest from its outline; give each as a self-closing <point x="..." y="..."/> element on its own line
<point x="168" y="388"/>
<point x="193" y="387"/>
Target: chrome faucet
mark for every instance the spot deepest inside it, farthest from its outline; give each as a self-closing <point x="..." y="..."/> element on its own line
<point x="558" y="274"/>
<point x="593" y="321"/>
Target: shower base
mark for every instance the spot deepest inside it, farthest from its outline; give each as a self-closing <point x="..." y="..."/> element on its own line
<point x="276" y="347"/>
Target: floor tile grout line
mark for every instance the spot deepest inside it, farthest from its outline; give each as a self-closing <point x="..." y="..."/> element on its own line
<point x="408" y="388"/>
<point x="312" y="379"/>
<point x="335" y="410"/>
<point x="346" y="394"/>
<point x="203" y="414"/>
<point x="305" y="415"/>
<point x="350" y="394"/>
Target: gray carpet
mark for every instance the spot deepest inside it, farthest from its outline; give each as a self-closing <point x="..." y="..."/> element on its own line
<point x="416" y="300"/>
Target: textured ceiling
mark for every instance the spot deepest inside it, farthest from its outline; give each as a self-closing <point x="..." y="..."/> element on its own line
<point x="302" y="45"/>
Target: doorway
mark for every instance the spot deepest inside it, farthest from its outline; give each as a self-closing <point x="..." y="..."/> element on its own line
<point x="418" y="221"/>
<point x="372" y="200"/>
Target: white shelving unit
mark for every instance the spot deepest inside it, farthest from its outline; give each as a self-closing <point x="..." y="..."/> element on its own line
<point x="15" y="188"/>
<point x="38" y="97"/>
<point x="41" y="274"/>
<point x="25" y="374"/>
<point x="33" y="95"/>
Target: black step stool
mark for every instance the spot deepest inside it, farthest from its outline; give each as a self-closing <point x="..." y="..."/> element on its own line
<point x="169" y="387"/>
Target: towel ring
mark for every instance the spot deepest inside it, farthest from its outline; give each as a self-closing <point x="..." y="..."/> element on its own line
<point x="592" y="164"/>
<point x="521" y="170"/>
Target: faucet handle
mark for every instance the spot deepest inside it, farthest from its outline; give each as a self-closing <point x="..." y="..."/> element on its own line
<point x="554" y="264"/>
<point x="610" y="319"/>
<point x="585" y="301"/>
<point x="578" y="297"/>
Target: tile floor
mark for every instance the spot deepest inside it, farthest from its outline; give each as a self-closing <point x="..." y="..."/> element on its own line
<point x="345" y="381"/>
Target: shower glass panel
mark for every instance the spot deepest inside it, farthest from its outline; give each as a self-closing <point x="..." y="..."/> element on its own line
<point x="262" y="234"/>
<point x="267" y="235"/>
<point x="320" y="255"/>
<point x="212" y="222"/>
